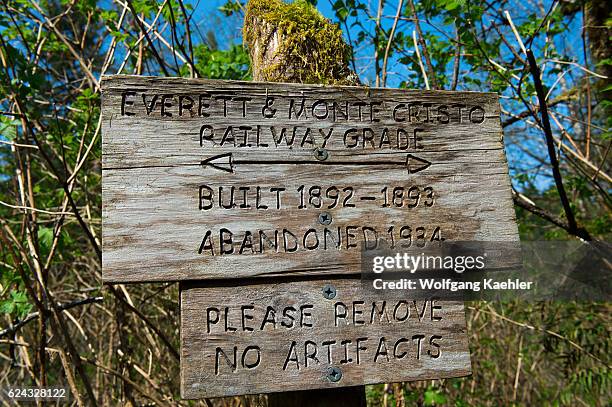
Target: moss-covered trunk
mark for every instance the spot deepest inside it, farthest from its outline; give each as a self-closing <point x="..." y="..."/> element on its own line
<point x="295" y="43"/>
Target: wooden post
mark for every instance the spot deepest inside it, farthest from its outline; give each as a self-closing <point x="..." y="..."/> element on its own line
<point x="314" y="52"/>
<point x="341" y="397"/>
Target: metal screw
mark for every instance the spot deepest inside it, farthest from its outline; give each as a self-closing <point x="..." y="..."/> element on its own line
<point x="334" y="374"/>
<point x="325" y="218"/>
<point x="321" y="154"/>
<point x="329" y="291"/>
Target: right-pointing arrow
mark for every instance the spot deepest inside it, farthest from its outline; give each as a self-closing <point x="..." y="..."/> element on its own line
<point x="416" y="164"/>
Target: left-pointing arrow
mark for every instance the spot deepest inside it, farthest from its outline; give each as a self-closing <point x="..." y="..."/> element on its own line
<point x="221" y="162"/>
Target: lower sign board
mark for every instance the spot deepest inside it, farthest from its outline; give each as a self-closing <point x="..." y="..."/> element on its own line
<point x="206" y="180"/>
<point x="300" y="335"/>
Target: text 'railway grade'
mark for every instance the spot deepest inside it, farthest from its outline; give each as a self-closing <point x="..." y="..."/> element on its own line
<point x="253" y="114"/>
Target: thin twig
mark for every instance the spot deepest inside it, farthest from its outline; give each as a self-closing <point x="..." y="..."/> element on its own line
<point x="381" y="4"/>
<point x="417" y="26"/>
<point x="28" y="208"/>
<point x="535" y="328"/>
<point x="160" y="61"/>
<point x="62" y="38"/>
<point x="587" y="148"/>
<point x="35" y="315"/>
<point x="550" y="144"/>
<point x="12" y="144"/>
<point x="531" y="207"/>
<point x="515" y="31"/>
<point x="579" y="67"/>
<point x="416" y="49"/>
<point x="457" y="59"/>
<point x="146" y="320"/>
<point x="400" y="4"/>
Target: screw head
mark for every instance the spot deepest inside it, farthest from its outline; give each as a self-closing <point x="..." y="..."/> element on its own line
<point x="329" y="291"/>
<point x="325" y="218"/>
<point x="334" y="374"/>
<point x="321" y="154"/>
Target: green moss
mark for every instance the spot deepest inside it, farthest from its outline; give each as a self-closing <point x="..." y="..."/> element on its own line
<point x="311" y="48"/>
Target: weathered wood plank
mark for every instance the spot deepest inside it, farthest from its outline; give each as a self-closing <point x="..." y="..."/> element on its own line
<point x="286" y="336"/>
<point x="162" y="214"/>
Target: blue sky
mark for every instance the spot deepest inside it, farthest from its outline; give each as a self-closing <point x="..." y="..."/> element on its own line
<point x="229" y="31"/>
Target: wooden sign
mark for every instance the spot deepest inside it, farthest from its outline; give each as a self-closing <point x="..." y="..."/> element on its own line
<point x="303" y="335"/>
<point x="224" y="181"/>
<point x="219" y="179"/>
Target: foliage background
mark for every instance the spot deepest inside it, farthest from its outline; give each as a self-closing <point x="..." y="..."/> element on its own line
<point x="118" y="344"/>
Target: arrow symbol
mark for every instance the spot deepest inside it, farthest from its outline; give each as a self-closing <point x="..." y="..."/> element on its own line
<point x="226" y="162"/>
<point x="219" y="162"/>
<point x="415" y="164"/>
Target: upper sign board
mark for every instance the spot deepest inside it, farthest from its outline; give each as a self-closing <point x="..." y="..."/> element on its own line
<point x="208" y="179"/>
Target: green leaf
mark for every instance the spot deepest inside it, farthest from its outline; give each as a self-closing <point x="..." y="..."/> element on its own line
<point x="230" y="7"/>
<point x="433" y="397"/>
<point x="45" y="238"/>
<point x="16" y="305"/>
<point x="8" y="128"/>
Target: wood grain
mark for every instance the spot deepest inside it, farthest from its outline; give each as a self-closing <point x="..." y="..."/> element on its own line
<point x="156" y="227"/>
<point x="401" y="342"/>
